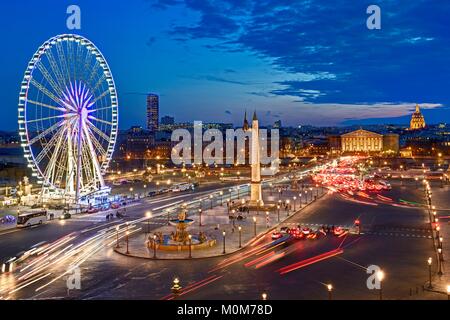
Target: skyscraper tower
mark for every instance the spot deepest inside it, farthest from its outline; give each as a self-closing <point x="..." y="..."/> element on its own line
<point x="152" y="112"/>
<point x="255" y="186"/>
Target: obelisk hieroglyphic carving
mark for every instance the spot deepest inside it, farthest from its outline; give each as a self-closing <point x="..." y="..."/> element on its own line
<point x="255" y="189"/>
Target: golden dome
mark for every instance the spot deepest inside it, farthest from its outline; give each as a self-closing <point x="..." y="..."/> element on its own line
<point x="417" y="120"/>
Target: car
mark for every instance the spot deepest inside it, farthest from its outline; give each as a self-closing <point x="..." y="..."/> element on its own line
<point x="276" y="235"/>
<point x="152" y="193"/>
<point x="92" y="210"/>
<point x="339" y="232"/>
<point x="65" y="216"/>
<point x="296" y="233"/>
<point x="115" y="205"/>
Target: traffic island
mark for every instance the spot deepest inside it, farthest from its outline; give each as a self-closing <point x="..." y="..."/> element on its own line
<point x="213" y="234"/>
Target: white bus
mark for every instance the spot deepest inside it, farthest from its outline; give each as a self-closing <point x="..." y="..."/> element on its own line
<point x="31" y="219"/>
<point x="182" y="187"/>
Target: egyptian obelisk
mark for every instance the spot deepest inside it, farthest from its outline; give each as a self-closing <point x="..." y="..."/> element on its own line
<point x="255" y="191"/>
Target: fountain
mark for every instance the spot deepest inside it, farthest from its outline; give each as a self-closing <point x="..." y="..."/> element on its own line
<point x="181" y="239"/>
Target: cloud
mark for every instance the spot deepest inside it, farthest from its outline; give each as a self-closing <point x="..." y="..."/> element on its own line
<point x="407" y="60"/>
<point x="150" y="41"/>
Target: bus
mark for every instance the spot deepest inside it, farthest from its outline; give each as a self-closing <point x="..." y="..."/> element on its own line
<point x="182" y="187"/>
<point x="31" y="219"/>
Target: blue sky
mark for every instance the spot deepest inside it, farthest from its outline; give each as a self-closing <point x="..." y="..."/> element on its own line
<point x="304" y="62"/>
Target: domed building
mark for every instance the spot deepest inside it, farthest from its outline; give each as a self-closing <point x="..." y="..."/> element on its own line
<point x="417" y="120"/>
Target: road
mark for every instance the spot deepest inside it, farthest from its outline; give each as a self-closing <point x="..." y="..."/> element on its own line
<point x="395" y="237"/>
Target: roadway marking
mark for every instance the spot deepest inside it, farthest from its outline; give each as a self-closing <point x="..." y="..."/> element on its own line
<point x="398" y="235"/>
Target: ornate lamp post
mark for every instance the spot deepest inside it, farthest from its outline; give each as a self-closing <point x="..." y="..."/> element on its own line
<point x="278" y="211"/>
<point x="154" y="246"/>
<point x="380" y="277"/>
<point x="430" y="262"/>
<point x="224" y="234"/>
<point x="127" y="234"/>
<point x="254" y="225"/>
<point x="190" y="246"/>
<point x="199" y="218"/>
<point x="330" y="289"/>
<point x="240" y="236"/>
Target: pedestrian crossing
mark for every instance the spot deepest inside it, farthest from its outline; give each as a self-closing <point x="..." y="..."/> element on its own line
<point x="396" y="234"/>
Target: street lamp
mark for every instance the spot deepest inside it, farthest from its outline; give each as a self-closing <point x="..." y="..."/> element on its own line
<point x="267" y="219"/>
<point x="176" y="288"/>
<point x="430" y="261"/>
<point x="330" y="289"/>
<point x="127" y="234"/>
<point x="380" y="277"/>
<point x="240" y="236"/>
<point x="221" y="198"/>
<point x="190" y="246"/>
<point x="264" y="296"/>
<point x="117" y="236"/>
<point x="154" y="246"/>
<point x="224" y="234"/>
<point x="254" y="225"/>
<point x="257" y="207"/>
<point x="278" y="209"/>
<point x="295" y="202"/>
<point x="211" y="200"/>
<point x="287" y="211"/>
<point x="200" y="217"/>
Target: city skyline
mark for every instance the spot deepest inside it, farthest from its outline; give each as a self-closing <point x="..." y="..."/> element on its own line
<point x="208" y="62"/>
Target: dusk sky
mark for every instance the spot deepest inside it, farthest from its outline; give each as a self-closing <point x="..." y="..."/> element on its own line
<point x="304" y="62"/>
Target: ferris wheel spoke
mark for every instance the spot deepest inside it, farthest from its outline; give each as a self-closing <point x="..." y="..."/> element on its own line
<point x="49" y="145"/>
<point x="97" y="144"/>
<point x="45" y="105"/>
<point x="98" y="131"/>
<point x="56" y="88"/>
<point x="100" y="120"/>
<point x="100" y="96"/>
<point x="45" y="132"/>
<point x="55" y="69"/>
<point x="93" y="155"/>
<point x="45" y="91"/>
<point x="47" y="118"/>
<point x="63" y="61"/>
<point x="101" y="109"/>
<point x="94" y="71"/>
<point x="49" y="173"/>
<point x="99" y="82"/>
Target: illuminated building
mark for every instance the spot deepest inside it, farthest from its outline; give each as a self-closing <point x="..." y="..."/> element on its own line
<point x="152" y="112"/>
<point x="417" y="120"/>
<point x="362" y="141"/>
<point x="167" y="120"/>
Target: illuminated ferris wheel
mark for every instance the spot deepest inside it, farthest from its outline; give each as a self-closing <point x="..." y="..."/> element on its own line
<point x="68" y="116"/>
